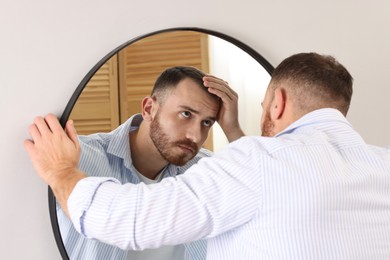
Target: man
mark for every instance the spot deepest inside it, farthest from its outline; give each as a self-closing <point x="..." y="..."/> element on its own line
<point x="309" y="188"/>
<point x="163" y="141"/>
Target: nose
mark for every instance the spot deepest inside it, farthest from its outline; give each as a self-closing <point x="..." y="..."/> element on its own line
<point x="194" y="133"/>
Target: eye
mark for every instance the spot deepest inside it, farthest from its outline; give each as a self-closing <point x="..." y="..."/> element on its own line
<point x="186" y="114"/>
<point x="208" y="123"/>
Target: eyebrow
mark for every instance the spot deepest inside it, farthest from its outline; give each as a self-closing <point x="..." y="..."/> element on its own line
<point x="196" y="112"/>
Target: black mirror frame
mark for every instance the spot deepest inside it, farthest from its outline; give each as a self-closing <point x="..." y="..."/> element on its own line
<point x="68" y="109"/>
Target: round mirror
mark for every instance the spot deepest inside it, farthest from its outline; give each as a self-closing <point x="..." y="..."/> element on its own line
<point x="114" y="88"/>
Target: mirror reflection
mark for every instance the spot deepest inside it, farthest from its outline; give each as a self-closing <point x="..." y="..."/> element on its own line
<point x="118" y="142"/>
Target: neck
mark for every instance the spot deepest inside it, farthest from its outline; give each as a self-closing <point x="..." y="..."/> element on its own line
<point x="290" y="115"/>
<point x="146" y="158"/>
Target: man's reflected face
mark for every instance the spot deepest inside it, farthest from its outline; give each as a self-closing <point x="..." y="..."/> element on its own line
<point x="182" y="123"/>
<point x="164" y="142"/>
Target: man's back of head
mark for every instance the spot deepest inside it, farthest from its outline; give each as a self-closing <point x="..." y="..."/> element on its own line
<point x="314" y="81"/>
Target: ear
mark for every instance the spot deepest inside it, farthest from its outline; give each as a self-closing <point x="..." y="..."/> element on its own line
<point x="149" y="108"/>
<point x="278" y="104"/>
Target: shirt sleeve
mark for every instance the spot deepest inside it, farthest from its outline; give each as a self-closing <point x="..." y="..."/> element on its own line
<point x="217" y="195"/>
<point x="81" y="199"/>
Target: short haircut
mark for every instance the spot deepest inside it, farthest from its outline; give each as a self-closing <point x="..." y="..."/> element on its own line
<point x="171" y="77"/>
<point x="315" y="81"/>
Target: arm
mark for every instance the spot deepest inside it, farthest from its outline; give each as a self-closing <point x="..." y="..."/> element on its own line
<point x="222" y="193"/>
<point x="228" y="113"/>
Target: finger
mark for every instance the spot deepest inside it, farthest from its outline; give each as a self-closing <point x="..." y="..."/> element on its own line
<point x="53" y="123"/>
<point x="34" y="132"/>
<point x="215" y="79"/>
<point x="211" y="79"/>
<point x="219" y="84"/>
<point x="222" y="90"/>
<point x="42" y="126"/>
<point x="28" y="146"/>
<point x="71" y="132"/>
<point x="225" y="97"/>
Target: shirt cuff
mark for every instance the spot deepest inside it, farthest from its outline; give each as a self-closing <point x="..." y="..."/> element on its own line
<point x="81" y="199"/>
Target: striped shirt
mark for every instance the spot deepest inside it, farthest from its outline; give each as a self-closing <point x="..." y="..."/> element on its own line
<point x="315" y="191"/>
<point x="109" y="155"/>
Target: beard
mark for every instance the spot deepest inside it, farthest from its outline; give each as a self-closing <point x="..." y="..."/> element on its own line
<point x="267" y="128"/>
<point x="165" y="145"/>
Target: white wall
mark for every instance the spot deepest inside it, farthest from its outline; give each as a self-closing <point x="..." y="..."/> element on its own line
<point x="47" y="47"/>
<point x="247" y="77"/>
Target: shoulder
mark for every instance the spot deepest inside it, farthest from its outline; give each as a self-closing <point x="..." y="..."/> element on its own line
<point x="244" y="149"/>
<point x="383" y="152"/>
<point x="100" y="140"/>
<point x="94" y="141"/>
<point x="201" y="154"/>
<point x="248" y="144"/>
<point x="255" y="150"/>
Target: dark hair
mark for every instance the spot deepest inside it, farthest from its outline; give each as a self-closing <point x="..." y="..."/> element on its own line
<point x="171" y="77"/>
<point x="315" y="81"/>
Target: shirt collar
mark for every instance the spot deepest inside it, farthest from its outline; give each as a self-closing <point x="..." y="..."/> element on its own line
<point x="120" y="145"/>
<point x="324" y="115"/>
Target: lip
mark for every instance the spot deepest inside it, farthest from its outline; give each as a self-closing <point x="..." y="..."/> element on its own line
<point x="187" y="149"/>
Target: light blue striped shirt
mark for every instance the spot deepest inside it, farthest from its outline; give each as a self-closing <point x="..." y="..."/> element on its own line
<point x="109" y="155"/>
<point x="315" y="191"/>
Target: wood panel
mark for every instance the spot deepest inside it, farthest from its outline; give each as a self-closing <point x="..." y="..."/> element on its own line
<point x="143" y="61"/>
<point x="97" y="108"/>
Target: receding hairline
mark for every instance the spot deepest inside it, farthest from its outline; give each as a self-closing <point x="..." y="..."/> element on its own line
<point x="161" y="94"/>
<point x="171" y="77"/>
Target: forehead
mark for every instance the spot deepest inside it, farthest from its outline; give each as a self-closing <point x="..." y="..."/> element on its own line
<point x="190" y="94"/>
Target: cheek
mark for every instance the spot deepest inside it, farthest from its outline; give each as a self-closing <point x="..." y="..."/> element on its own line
<point x="168" y="121"/>
<point x="174" y="131"/>
<point x="174" y="128"/>
<point x="262" y="119"/>
<point x="205" y="134"/>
